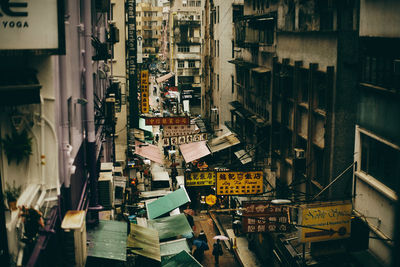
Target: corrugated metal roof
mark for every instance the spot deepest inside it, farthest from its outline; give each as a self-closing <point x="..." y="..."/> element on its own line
<point x="171" y="226"/>
<point x="145" y="242"/>
<point x="167" y="203"/>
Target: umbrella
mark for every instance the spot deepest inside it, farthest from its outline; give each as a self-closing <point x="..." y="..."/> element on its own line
<point x="220" y="237"/>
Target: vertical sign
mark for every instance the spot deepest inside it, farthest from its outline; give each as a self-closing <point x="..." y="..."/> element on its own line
<point x="144" y="91"/>
<point x="132" y="64"/>
<point x="139" y="49"/>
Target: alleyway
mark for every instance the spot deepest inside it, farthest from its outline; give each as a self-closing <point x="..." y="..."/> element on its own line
<point x="205" y="223"/>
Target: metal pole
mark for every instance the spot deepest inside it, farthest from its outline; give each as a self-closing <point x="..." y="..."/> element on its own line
<point x="331" y="183"/>
<point x="89" y="94"/>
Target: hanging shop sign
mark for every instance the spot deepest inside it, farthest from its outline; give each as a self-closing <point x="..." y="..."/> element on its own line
<point x="261" y="216"/>
<point x="205" y="178"/>
<point x="240" y="183"/>
<point x="211" y="200"/>
<point x="168" y="121"/>
<point x="23" y="27"/>
<point x="179" y="140"/>
<point x="326" y="221"/>
<point x="180" y="130"/>
<point x="144" y="91"/>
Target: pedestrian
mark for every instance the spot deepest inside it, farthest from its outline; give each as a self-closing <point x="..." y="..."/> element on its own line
<point x="202" y="236"/>
<point x="236" y="225"/>
<point x="217" y="251"/>
<point x="198" y="249"/>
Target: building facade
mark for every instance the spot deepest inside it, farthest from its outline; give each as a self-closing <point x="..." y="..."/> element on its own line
<point x="377" y="143"/>
<point x="185" y="49"/>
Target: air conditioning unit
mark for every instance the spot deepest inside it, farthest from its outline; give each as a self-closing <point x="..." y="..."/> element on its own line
<point x="74" y="227"/>
<point x="299" y="153"/>
<point x="105" y="189"/>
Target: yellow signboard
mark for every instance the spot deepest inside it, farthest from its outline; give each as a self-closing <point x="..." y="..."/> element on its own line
<point x="211" y="200"/>
<point x="144" y="91"/>
<point x="326" y="221"/>
<point x="200" y="178"/>
<point x="240" y="183"/>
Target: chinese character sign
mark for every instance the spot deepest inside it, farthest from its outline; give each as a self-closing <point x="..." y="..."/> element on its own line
<point x="240" y="183"/>
<point x="206" y="178"/>
<point x="144" y="90"/>
<point x="261" y="216"/>
<point x="167" y="121"/>
<point x="328" y="221"/>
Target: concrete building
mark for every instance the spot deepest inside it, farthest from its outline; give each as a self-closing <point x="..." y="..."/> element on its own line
<point x="54" y="82"/>
<point x="164" y="53"/>
<point x="185" y="49"/>
<point x="377" y="142"/>
<point x="218" y="80"/>
<point x="149" y="24"/>
<point x="296" y="97"/>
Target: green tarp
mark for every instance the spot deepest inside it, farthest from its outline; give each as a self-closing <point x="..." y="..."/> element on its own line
<point x="108" y="240"/>
<point x="171" y="248"/>
<point x="167" y="203"/>
<point x="144" y="241"/>
<point x="171" y="226"/>
<point x="183" y="259"/>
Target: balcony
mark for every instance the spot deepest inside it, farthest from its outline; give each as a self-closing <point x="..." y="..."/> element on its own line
<point x="188" y="72"/>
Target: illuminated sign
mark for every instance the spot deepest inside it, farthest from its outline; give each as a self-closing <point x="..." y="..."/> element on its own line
<point x="144" y="91"/>
<point x="327" y="221"/>
<point x="240" y="183"/>
<point x="31" y="25"/>
<point x="261" y="216"/>
<point x="168" y="121"/>
<point x="206" y="178"/>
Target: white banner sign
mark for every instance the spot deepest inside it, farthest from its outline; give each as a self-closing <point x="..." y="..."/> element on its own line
<point x="29" y="25"/>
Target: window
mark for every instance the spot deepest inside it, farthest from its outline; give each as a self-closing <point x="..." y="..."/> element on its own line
<point x="217" y="48"/>
<point x="183" y="49"/>
<point x="233" y="49"/>
<point x="320" y="90"/>
<point x="217" y="82"/>
<point x="69" y="114"/>
<point x="181" y="64"/>
<point x="233" y="84"/>
<point x="192" y="64"/>
<point x="304" y="84"/>
<point x="380" y="161"/>
<point x="318" y="166"/>
<point x="217" y="14"/>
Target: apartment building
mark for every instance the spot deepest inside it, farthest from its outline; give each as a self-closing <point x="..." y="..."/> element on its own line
<point x="185" y="49"/>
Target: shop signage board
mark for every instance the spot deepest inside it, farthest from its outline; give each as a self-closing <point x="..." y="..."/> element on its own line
<point x="144" y="91"/>
<point x="327" y="221"/>
<point x="261" y="216"/>
<point x="179" y="140"/>
<point x="167" y="121"/>
<point x="211" y="200"/>
<point x="204" y="178"/>
<point x="32" y="26"/>
<point x="240" y="183"/>
<point x="180" y="130"/>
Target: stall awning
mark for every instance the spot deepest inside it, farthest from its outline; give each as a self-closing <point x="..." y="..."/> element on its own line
<point x="171" y="226"/>
<point x="145" y="242"/>
<point x="167" y="203"/>
<point x="165" y="77"/>
<point x="223" y="142"/>
<point x="193" y="151"/>
<point x="148" y="151"/>
<point x="243" y="156"/>
<point x="107" y="240"/>
<point x="182" y="259"/>
<point x="160" y="176"/>
<point x="19" y="87"/>
<point x="170" y="248"/>
<point x="143" y="126"/>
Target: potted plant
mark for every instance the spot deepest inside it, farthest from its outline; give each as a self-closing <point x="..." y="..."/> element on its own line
<point x="12" y="193"/>
<point x="17" y="146"/>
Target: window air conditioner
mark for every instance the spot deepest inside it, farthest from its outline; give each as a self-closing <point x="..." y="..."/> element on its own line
<point x="105" y="189"/>
<point x="299" y="153"/>
<point x="74" y="227"/>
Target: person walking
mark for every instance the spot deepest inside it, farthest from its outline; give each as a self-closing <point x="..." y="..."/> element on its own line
<point x="217" y="251"/>
<point x="198" y="249"/>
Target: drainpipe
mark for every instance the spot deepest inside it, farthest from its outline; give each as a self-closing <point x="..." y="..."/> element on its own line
<point x="42" y="144"/>
<point x="90" y="129"/>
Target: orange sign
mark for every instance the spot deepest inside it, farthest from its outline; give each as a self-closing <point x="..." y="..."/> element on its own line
<point x="144" y="91"/>
<point x="168" y="121"/>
